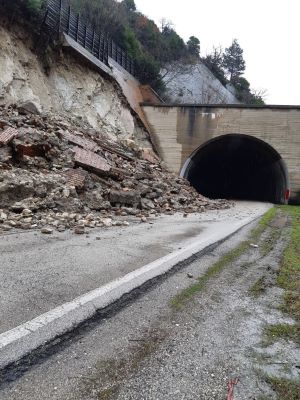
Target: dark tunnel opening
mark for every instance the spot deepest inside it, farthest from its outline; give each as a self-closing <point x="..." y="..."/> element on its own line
<point x="238" y="167"/>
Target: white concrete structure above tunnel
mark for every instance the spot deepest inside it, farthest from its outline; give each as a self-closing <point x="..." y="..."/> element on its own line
<point x="222" y="148"/>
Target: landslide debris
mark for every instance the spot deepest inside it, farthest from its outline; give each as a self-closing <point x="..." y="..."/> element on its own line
<point x="56" y="174"/>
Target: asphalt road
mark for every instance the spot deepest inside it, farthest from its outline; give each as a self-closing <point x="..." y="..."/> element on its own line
<point x="148" y="351"/>
<point x="40" y="272"/>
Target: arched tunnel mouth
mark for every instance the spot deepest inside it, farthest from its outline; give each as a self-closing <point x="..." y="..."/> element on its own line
<point x="239" y="167"/>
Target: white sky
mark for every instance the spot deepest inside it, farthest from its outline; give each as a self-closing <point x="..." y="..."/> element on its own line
<point x="267" y="30"/>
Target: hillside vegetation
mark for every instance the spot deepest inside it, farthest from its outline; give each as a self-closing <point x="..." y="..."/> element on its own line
<point x="151" y="46"/>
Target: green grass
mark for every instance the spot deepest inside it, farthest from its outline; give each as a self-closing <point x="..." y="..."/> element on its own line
<point x="286" y="389"/>
<point x="282" y="331"/>
<point x="187" y="294"/>
<point x="263" y="224"/>
<point x="258" y="288"/>
<point x="289" y="275"/>
<point x="289" y="279"/>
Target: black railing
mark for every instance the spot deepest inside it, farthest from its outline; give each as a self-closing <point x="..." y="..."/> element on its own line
<point x="60" y="18"/>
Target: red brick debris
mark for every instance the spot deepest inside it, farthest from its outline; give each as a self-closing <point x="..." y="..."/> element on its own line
<point x="7" y="135"/>
<point x="32" y="150"/>
<point x="80" y="141"/>
<point x="91" y="161"/>
<point x="57" y="174"/>
<point x="76" y="177"/>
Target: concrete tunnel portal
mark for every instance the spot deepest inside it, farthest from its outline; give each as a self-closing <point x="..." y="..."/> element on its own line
<point x="239" y="167"/>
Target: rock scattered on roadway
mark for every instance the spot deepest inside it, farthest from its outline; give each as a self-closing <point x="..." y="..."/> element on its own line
<point x="58" y="175"/>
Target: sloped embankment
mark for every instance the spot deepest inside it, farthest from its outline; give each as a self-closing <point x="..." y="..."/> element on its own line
<point x="69" y="88"/>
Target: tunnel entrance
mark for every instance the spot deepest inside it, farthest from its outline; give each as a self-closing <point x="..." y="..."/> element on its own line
<point x="237" y="166"/>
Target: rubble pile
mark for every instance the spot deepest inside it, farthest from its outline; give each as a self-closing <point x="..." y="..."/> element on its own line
<point x="58" y="175"/>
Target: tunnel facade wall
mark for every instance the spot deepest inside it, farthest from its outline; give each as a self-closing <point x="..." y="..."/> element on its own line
<point x="179" y="130"/>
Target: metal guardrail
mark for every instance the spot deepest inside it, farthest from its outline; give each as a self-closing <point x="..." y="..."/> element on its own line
<point x="59" y="18"/>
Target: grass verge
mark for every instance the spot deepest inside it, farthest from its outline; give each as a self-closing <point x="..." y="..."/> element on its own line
<point x="287" y="389"/>
<point x="187" y="294"/>
<point x="289" y="275"/>
<point x="263" y="224"/>
<point x="283" y="331"/>
<point x="258" y="288"/>
<point x="289" y="279"/>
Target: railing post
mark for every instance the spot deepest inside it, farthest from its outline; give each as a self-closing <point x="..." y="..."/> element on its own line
<point x="106" y="49"/>
<point x="132" y="67"/>
<point x="69" y="19"/>
<point x="113" y="49"/>
<point x="99" y="49"/>
<point x="77" y="27"/>
<point x="93" y="40"/>
<point x="84" y="43"/>
<point x="59" y="18"/>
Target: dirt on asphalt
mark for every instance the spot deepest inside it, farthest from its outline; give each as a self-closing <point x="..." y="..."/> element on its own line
<point x="183" y="339"/>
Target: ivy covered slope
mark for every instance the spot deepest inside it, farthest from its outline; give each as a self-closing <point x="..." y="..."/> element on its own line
<point x="151" y="46"/>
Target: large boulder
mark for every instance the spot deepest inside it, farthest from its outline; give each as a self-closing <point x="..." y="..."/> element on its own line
<point x="130" y="197"/>
<point x="29" y="107"/>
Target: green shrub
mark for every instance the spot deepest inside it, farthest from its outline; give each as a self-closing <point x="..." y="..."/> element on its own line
<point x="147" y="71"/>
<point x="130" y="43"/>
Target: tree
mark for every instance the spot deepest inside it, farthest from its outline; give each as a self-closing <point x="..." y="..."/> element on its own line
<point x="173" y="47"/>
<point x="233" y="61"/>
<point x="165" y="25"/>
<point x="214" y="63"/>
<point x="248" y="96"/>
<point x="193" y="46"/>
<point x="129" y="5"/>
<point x="28" y="10"/>
<point x="147" y="70"/>
<point x="242" y="85"/>
<point x="106" y="15"/>
<point x="129" y="42"/>
<point x="258" y="96"/>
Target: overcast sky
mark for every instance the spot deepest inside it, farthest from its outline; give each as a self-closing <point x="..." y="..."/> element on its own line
<point x="267" y="30"/>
